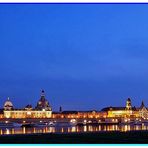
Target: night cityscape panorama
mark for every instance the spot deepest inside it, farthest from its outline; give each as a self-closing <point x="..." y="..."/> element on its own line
<point x="73" y="73"/>
<point x="86" y="56"/>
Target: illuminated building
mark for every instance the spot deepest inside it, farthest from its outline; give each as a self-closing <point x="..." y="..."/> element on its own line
<point x="107" y="115"/>
<point x="8" y="105"/>
<point x="79" y="114"/>
<point x="143" y="112"/>
<point x="125" y="112"/>
<point x="42" y="110"/>
<point x="43" y="104"/>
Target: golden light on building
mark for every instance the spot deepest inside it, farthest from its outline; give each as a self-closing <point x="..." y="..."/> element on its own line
<point x="108" y="114"/>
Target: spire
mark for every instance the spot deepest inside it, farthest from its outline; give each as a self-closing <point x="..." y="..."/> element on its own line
<point x="142" y="104"/>
<point x="128" y="104"/>
<point x="8" y="99"/>
<point x="42" y="93"/>
<point x="60" y="109"/>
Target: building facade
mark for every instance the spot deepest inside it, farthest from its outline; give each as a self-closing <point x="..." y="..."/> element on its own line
<point x="127" y="112"/>
<point x="42" y="110"/>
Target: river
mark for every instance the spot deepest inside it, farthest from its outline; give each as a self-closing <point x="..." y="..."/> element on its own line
<point x="66" y="129"/>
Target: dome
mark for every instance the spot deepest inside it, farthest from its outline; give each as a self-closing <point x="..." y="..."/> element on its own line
<point x="43" y="103"/>
<point x="8" y="105"/>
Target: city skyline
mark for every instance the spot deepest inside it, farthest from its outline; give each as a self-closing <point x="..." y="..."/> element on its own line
<point x="42" y="94"/>
<point x="85" y="56"/>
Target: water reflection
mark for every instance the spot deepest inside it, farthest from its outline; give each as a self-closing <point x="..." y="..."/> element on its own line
<point x="85" y="128"/>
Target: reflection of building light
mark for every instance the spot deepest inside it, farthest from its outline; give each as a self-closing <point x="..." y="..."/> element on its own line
<point x="108" y="128"/>
<point x="127" y="128"/>
<point x="6" y="121"/>
<point x="24" y="130"/>
<point x="116" y="127"/>
<point x="73" y="129"/>
<point x="99" y="128"/>
<point x="68" y="129"/>
<point x="104" y="128"/>
<point x="137" y="127"/>
<point x="62" y="130"/>
<point x="90" y="128"/>
<point x="7" y="131"/>
<point x="113" y="127"/>
<point x="77" y="129"/>
<point x="12" y="131"/>
<point x="143" y="127"/>
<point x="1" y="132"/>
<point x="44" y="130"/>
<point x="34" y="130"/>
<point x="85" y="128"/>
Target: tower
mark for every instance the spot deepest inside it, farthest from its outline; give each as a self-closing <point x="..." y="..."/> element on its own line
<point x="128" y="104"/>
<point x="143" y="112"/>
<point x="43" y="104"/>
<point x="60" y="109"/>
<point x="142" y="105"/>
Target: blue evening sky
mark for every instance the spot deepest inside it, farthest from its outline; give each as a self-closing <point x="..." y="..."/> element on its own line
<point x="85" y="56"/>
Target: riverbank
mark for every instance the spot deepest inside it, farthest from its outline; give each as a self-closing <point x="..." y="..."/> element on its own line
<point x="132" y="137"/>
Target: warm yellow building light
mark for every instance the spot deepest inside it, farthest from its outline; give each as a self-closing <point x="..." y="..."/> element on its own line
<point x="28" y="113"/>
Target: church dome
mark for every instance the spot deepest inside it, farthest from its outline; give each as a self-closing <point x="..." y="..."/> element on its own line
<point x="8" y="104"/>
<point x="43" y="104"/>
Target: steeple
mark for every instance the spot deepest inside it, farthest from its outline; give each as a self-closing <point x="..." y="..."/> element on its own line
<point x="128" y="104"/>
<point x="42" y="93"/>
<point x="142" y="104"/>
<point x="60" y="109"/>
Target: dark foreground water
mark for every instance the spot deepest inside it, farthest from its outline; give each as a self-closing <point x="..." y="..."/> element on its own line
<point x="86" y="128"/>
